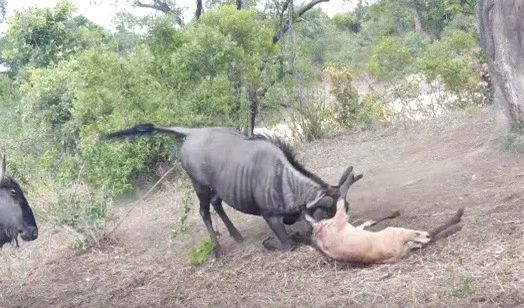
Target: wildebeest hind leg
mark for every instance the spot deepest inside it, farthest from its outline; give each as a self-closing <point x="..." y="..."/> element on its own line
<point x="217" y="205"/>
<point x="204" y="196"/>
<point x="284" y="241"/>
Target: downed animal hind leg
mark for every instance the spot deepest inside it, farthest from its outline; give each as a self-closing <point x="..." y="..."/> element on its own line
<point x="217" y="205"/>
<point x="204" y="196"/>
<point x="370" y="223"/>
<point x="284" y="241"/>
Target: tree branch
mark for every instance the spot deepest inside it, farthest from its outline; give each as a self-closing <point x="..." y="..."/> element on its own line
<point x="309" y="6"/>
<point x="262" y="92"/>
<point x="284" y="28"/>
<point x="160" y="6"/>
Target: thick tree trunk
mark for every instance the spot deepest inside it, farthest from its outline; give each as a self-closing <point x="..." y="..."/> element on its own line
<point x="413" y="6"/>
<point x="252" y="96"/>
<point x="198" y="11"/>
<point x="501" y="29"/>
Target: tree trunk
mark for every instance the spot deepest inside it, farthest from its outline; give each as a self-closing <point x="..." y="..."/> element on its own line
<point x="501" y="30"/>
<point x="252" y="96"/>
<point x="413" y="6"/>
<point x="198" y="11"/>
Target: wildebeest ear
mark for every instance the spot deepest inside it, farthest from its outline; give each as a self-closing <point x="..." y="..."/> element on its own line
<point x="322" y="200"/>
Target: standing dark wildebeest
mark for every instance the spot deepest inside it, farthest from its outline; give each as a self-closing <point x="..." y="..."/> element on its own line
<point x="16" y="216"/>
<point x="258" y="176"/>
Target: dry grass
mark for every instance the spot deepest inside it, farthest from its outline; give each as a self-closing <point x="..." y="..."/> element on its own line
<point x="426" y="171"/>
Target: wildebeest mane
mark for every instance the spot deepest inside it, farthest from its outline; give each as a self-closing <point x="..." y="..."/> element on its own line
<point x="290" y="156"/>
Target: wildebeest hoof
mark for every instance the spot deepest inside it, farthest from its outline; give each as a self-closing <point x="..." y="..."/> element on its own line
<point x="272" y="243"/>
<point x="218" y="251"/>
<point x="237" y="237"/>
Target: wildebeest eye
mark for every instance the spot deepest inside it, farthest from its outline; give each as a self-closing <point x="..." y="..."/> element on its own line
<point x="12" y="191"/>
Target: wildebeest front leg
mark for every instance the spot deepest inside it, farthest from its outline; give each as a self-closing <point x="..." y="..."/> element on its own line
<point x="284" y="241"/>
<point x="217" y="205"/>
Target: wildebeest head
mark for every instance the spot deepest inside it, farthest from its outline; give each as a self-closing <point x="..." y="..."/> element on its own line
<point x="16" y="216"/>
<point x="325" y="206"/>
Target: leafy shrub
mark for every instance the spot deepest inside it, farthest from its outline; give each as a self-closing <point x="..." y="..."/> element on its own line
<point x="309" y="115"/>
<point x="454" y="61"/>
<point x="201" y="254"/>
<point x="86" y="214"/>
<point x="350" y="109"/>
<point x="390" y="59"/>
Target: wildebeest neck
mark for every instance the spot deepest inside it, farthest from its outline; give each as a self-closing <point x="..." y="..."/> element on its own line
<point x="291" y="157"/>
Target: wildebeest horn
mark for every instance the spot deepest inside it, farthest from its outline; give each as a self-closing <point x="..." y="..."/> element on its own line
<point x="2" y="170"/>
<point x="350" y="180"/>
<point x="321" y="201"/>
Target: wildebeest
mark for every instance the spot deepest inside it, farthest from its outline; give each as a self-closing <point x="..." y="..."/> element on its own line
<point x="16" y="216"/>
<point x="342" y="241"/>
<point x="256" y="175"/>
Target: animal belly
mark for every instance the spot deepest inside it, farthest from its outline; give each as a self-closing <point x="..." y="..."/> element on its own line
<point x="243" y="205"/>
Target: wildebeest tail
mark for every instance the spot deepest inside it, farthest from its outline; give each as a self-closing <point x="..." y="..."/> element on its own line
<point x="149" y="129"/>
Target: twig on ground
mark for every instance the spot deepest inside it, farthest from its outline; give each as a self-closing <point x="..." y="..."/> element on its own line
<point x="139" y="200"/>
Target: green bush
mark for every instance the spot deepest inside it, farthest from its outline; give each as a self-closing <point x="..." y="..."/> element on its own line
<point x="85" y="214"/>
<point x="351" y="110"/>
<point x="453" y="61"/>
<point x="391" y="59"/>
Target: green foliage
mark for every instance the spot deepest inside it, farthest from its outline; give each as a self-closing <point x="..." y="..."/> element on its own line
<point x="187" y="203"/>
<point x="351" y="110"/>
<point x="390" y="59"/>
<point x="309" y="116"/>
<point x="42" y="37"/>
<point x="201" y="254"/>
<point x="454" y="61"/>
<point x="85" y="214"/>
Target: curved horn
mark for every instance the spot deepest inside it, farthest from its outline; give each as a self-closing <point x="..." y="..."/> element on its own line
<point x="350" y="180"/>
<point x="2" y="170"/>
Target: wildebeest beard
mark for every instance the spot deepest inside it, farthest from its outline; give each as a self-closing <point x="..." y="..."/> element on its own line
<point x="8" y="236"/>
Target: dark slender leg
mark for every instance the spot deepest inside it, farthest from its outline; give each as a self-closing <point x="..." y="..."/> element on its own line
<point x="284" y="241"/>
<point x="217" y="205"/>
<point x="204" y="196"/>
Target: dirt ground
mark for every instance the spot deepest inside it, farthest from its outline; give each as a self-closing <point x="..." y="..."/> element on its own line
<point x="427" y="171"/>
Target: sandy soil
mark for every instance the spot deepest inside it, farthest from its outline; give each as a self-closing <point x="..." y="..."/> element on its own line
<point x="427" y="171"/>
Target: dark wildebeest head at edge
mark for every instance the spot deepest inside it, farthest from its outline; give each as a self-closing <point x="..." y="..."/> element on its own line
<point x="16" y="216"/>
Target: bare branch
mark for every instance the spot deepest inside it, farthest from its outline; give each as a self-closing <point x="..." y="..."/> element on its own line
<point x="161" y="6"/>
<point x="284" y="28"/>
<point x="309" y="6"/>
<point x="263" y="91"/>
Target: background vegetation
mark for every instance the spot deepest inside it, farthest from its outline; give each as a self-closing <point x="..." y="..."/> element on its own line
<point x="67" y="81"/>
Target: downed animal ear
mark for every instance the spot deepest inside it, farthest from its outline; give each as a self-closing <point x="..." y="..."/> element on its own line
<point x="322" y="200"/>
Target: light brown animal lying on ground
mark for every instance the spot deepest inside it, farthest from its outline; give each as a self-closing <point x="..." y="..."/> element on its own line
<point x="340" y="240"/>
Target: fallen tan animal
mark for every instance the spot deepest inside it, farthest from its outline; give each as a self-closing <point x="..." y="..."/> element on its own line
<point x="340" y="240"/>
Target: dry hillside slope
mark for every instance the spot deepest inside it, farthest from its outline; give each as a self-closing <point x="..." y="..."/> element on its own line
<point x="426" y="171"/>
